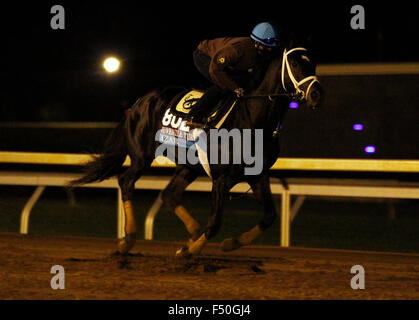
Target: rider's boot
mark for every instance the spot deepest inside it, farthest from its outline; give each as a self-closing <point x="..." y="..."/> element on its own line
<point x="200" y="109"/>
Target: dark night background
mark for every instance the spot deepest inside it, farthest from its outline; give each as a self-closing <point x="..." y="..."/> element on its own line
<point x="57" y="75"/>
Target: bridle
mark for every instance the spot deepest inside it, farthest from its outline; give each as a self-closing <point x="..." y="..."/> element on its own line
<point x="299" y="94"/>
<point x="297" y="84"/>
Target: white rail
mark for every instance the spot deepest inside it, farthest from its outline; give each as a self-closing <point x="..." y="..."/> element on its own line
<point x="298" y="187"/>
<point x="362" y="69"/>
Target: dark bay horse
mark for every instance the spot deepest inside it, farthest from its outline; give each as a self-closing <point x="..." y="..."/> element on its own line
<point x="290" y="74"/>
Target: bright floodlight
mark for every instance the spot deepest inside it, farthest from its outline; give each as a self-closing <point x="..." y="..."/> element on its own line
<point x="111" y="64"/>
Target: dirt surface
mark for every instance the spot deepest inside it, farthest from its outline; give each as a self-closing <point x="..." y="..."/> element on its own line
<point x="152" y="272"/>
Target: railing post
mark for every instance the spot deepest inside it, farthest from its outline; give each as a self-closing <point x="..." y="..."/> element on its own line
<point x="285" y="218"/>
<point x="151" y="214"/>
<point x="26" y="212"/>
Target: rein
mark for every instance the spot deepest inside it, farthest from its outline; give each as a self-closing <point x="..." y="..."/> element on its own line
<point x="292" y="96"/>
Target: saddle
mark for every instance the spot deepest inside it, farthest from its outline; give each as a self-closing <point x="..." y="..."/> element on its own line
<point x="182" y="104"/>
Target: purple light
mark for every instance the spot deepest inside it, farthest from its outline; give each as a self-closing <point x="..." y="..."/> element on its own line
<point x="358" y="127"/>
<point x="369" y="149"/>
<point x="293" y="105"/>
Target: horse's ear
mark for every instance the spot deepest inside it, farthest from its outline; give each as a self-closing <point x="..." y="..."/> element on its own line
<point x="309" y="41"/>
<point x="290" y="39"/>
<point x="299" y="38"/>
<point x="294" y="40"/>
<point x="306" y="43"/>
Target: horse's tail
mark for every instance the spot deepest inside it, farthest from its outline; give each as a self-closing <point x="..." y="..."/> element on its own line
<point x="110" y="162"/>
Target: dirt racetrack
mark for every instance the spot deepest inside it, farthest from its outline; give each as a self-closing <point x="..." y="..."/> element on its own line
<point x="152" y="272"/>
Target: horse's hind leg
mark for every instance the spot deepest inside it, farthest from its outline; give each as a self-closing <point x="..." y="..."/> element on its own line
<point x="262" y="192"/>
<point x="127" y="183"/>
<point x="172" y="196"/>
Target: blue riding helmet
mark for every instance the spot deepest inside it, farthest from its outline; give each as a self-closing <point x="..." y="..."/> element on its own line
<point x="266" y="34"/>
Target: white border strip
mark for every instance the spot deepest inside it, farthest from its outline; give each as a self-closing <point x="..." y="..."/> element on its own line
<point x="383" y="165"/>
<point x="59" y="125"/>
<point x="367" y="69"/>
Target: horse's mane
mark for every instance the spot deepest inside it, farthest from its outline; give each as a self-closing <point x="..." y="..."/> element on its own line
<point x="266" y="82"/>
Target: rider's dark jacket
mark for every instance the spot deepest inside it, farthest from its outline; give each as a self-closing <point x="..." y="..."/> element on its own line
<point x="229" y="55"/>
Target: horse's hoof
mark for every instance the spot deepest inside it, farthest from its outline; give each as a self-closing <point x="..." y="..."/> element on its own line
<point x="230" y="244"/>
<point x="183" y="253"/>
<point x="126" y="243"/>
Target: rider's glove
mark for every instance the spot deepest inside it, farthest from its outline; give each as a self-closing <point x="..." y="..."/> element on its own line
<point x="239" y="92"/>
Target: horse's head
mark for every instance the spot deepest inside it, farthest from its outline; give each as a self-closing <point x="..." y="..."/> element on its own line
<point x="298" y="76"/>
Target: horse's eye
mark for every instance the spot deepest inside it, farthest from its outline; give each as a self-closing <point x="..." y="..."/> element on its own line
<point x="294" y="64"/>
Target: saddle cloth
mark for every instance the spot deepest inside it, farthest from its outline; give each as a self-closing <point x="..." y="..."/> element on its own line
<point x="188" y="100"/>
<point x="176" y="132"/>
<point x="183" y="103"/>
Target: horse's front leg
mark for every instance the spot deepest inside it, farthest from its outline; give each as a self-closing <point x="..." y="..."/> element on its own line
<point x="219" y="192"/>
<point x="262" y="191"/>
<point x="172" y="196"/>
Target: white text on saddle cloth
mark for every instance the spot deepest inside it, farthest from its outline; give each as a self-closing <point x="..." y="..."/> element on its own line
<point x="174" y="121"/>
